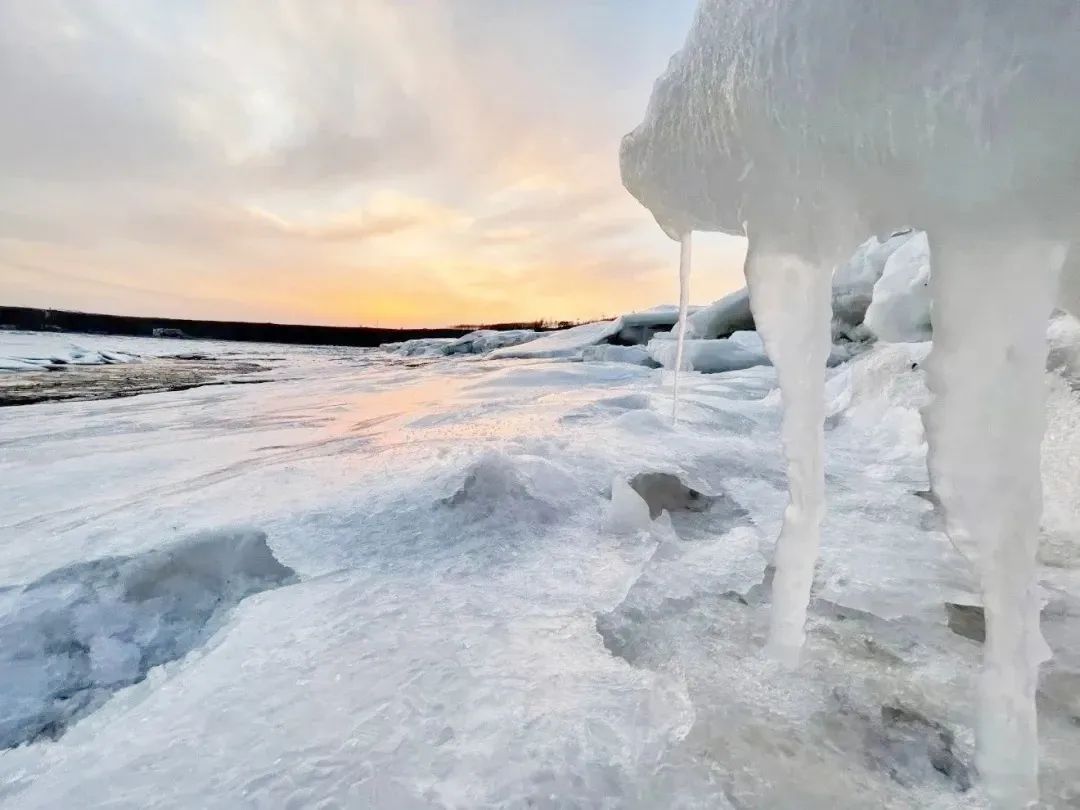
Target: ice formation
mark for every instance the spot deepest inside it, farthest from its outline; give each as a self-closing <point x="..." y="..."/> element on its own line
<point x="807" y="125"/>
<point x="684" y="302"/>
<point x="74" y="637"/>
<point x="855" y="280"/>
<point x="442" y="645"/>
<point x="899" y="309"/>
<point x="708" y="356"/>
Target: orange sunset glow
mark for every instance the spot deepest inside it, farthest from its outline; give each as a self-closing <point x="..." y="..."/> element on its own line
<point x="375" y="162"/>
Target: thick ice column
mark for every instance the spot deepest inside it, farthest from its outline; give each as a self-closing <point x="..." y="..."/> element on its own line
<point x="991" y="301"/>
<point x="684" y="301"/>
<point x="791" y="302"/>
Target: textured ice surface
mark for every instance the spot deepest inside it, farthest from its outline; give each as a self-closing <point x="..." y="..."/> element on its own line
<point x="442" y="649"/>
<point x="32" y="351"/>
<point x="833" y="121"/>
<point x="73" y="637"/>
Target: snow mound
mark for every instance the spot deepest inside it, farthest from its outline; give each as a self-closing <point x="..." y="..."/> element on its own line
<point x="502" y="487"/>
<point x="900" y="307"/>
<point x="75" y="636"/>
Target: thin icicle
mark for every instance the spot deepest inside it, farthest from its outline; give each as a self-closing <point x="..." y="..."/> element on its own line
<point x="684" y="300"/>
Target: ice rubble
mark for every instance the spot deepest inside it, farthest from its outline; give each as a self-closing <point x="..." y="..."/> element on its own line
<point x="804" y="125"/>
<point x="611" y="353"/>
<point x="481" y="341"/>
<point x="721" y="318"/>
<point x="418" y="347"/>
<point x="718" y="337"/>
<point x="34" y="359"/>
<point x="634" y="327"/>
<point x="709" y="356"/>
<point x="51" y="351"/>
<point x="72" y="638"/>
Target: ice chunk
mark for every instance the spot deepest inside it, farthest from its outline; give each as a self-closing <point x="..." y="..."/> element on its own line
<point x="751" y="341"/>
<point x="707" y="356"/>
<point x="75" y="636"/>
<point x="418" y="347"/>
<point x="564" y="342"/>
<point x="639" y="327"/>
<point x="853" y="281"/>
<point x="608" y="353"/>
<point x="628" y="512"/>
<point x="900" y="309"/>
<point x="730" y="314"/>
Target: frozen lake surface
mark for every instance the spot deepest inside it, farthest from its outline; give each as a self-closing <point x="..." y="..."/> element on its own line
<point x="376" y="581"/>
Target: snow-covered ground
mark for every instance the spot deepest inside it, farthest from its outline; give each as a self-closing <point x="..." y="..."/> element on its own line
<point x="470" y="619"/>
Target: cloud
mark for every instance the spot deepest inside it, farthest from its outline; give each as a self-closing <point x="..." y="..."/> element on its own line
<point x="388" y="213"/>
<point x="346" y="155"/>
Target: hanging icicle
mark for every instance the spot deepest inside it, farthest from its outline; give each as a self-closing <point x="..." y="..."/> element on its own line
<point x="684" y="300"/>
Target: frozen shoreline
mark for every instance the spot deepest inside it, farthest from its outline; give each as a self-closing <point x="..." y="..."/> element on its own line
<point x="469" y="629"/>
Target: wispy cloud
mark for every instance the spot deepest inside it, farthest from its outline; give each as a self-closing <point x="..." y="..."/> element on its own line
<point x="342" y="161"/>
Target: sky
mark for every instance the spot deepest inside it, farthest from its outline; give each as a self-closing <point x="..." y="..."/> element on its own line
<point x="381" y="162"/>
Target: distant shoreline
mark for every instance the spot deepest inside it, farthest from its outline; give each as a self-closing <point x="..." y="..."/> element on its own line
<point x="58" y="320"/>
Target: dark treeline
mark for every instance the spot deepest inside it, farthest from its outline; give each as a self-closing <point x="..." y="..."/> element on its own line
<point x="62" y="321"/>
<point x="545" y="325"/>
